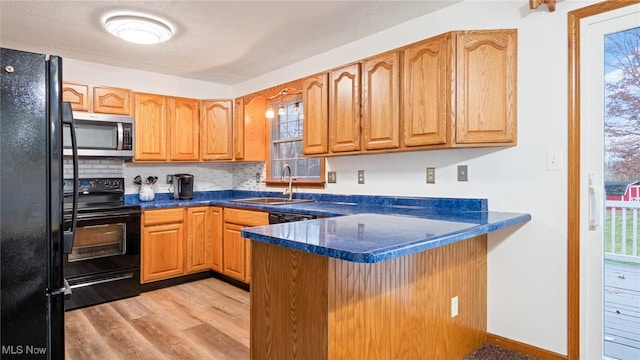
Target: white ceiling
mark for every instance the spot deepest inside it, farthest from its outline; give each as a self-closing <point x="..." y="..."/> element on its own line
<point x="226" y="42"/>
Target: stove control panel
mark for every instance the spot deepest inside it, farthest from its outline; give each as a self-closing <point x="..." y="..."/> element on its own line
<point x="95" y="185"/>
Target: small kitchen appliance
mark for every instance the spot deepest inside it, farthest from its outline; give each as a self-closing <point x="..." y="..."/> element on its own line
<point x="101" y="136"/>
<point x="182" y="186"/>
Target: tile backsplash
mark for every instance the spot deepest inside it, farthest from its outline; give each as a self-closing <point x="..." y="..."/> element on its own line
<point x="207" y="176"/>
<point x="94" y="168"/>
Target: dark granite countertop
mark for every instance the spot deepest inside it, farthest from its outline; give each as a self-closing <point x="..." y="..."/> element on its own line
<point x="371" y="238"/>
<point x="359" y="228"/>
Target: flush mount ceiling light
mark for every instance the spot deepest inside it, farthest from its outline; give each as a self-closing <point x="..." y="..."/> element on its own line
<point x="138" y="29"/>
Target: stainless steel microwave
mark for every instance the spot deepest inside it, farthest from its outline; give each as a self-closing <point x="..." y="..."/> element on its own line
<point x="101" y="135"/>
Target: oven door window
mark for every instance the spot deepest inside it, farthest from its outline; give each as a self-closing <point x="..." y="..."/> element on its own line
<point x="97" y="241"/>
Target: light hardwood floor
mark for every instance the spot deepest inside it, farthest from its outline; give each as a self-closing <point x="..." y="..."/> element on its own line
<point x="205" y="319"/>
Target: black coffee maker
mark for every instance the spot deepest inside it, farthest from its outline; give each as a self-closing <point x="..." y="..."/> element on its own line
<point x="182" y="186"/>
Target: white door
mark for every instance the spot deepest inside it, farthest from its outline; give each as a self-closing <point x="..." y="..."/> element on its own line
<point x="593" y="31"/>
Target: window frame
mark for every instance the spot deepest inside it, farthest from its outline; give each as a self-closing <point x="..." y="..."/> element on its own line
<point x="289" y="99"/>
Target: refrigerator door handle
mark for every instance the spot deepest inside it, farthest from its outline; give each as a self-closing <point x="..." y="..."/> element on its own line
<point x="67" y="118"/>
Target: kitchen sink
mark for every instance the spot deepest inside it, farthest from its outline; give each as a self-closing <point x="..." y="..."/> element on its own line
<point x="270" y="201"/>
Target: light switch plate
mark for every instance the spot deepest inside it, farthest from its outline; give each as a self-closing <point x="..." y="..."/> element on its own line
<point x="331" y="177"/>
<point x="431" y="175"/>
<point x="554" y="160"/>
<point x="463" y="174"/>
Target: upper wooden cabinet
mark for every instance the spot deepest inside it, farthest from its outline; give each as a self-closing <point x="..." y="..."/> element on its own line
<point x="151" y="127"/>
<point x="162" y="122"/>
<point x="344" y="109"/>
<point x="77" y="95"/>
<point x="110" y="100"/>
<point x="381" y="102"/>
<point x="460" y="90"/>
<point x="486" y="81"/>
<point x="238" y="129"/>
<point x="315" y="100"/>
<point x="427" y="89"/>
<point x="457" y="89"/>
<point x="98" y="99"/>
<point x="250" y="129"/>
<point x="216" y="130"/>
<point x="184" y="129"/>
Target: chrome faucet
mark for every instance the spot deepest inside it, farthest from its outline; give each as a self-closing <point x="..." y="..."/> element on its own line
<point x="287" y="191"/>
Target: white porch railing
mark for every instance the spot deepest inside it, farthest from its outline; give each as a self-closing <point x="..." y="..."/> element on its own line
<point x="621" y="230"/>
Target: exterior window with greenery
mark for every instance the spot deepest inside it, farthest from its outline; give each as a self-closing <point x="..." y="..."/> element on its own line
<point x="286" y="145"/>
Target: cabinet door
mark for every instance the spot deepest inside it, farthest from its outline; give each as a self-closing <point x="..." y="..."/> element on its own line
<point x="344" y="109"/>
<point x="486" y="83"/>
<point x="255" y="130"/>
<point x="315" y="98"/>
<point x="238" y="129"/>
<point x="77" y="95"/>
<point x="381" y="102"/>
<point x="110" y="100"/>
<point x="216" y="130"/>
<point x="234" y="261"/>
<point x="151" y="127"/>
<point x="216" y="238"/>
<point x="162" y="251"/>
<point x="427" y="92"/>
<point x="184" y="133"/>
<point x="199" y="241"/>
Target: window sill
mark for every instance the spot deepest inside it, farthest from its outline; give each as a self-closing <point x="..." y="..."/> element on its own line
<point x="296" y="184"/>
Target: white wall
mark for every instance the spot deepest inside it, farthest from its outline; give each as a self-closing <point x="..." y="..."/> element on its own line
<point x="527" y="290"/>
<point x="141" y="81"/>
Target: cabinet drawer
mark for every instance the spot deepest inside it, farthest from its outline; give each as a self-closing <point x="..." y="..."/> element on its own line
<point x="246" y="217"/>
<point x="162" y="216"/>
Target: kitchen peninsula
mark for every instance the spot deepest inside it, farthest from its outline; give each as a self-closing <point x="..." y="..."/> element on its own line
<point x="374" y="277"/>
<point x="372" y="286"/>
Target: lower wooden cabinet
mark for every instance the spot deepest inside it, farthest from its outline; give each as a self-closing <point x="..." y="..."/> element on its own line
<point x="162" y="250"/>
<point x="180" y="241"/>
<point x="187" y="240"/>
<point x="216" y="239"/>
<point x="198" y="245"/>
<point x="234" y="264"/>
<point x="236" y="249"/>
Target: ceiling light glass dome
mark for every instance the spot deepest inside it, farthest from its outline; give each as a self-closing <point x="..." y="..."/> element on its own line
<point x="138" y="29"/>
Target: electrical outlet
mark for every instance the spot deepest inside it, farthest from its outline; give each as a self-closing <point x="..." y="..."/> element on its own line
<point x="169" y="179"/>
<point x="463" y="174"/>
<point x="431" y="175"/>
<point x="257" y="178"/>
<point x="454" y="306"/>
<point x="331" y="177"/>
<point x="360" y="176"/>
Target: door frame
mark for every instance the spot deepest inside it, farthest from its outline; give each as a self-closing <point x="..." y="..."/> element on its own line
<point x="573" y="214"/>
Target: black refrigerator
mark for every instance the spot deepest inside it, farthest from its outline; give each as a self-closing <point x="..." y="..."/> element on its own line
<point x="32" y="285"/>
